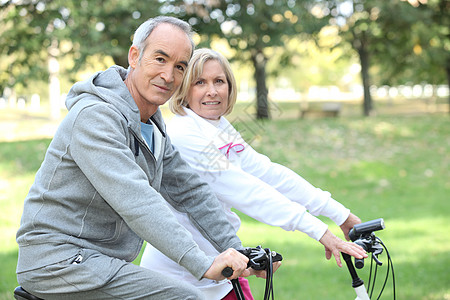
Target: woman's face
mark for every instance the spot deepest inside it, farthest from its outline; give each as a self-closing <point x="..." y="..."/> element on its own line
<point x="208" y="94"/>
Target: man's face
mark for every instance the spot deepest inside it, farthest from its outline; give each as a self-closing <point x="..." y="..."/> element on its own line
<point x="159" y="71"/>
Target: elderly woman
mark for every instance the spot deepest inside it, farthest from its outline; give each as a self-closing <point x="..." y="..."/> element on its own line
<point x="241" y="177"/>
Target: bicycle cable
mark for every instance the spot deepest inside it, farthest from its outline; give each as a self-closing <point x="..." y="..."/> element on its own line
<point x="259" y="259"/>
<point x="374" y="270"/>
<point x="390" y="267"/>
<point x="269" y="277"/>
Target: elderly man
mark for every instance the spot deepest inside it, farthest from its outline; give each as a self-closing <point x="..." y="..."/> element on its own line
<point x="107" y="180"/>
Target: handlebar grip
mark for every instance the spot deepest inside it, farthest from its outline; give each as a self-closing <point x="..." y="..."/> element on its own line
<point x="227" y="272"/>
<point x="359" y="263"/>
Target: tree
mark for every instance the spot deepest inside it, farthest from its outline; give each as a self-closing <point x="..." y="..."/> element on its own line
<point x="250" y="27"/>
<point x="431" y="42"/>
<point x="26" y="33"/>
<point x="36" y="34"/>
<point x="106" y="27"/>
<point x="31" y="33"/>
<point x="391" y="35"/>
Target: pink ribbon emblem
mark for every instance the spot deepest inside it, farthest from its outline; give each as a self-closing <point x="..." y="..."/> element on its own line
<point x="230" y="145"/>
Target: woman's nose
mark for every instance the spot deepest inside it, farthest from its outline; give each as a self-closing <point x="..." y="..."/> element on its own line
<point x="212" y="92"/>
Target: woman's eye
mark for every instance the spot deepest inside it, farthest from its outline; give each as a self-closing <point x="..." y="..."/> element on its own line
<point x="199" y="82"/>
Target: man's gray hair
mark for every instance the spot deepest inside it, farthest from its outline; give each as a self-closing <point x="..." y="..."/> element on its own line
<point x="146" y="28"/>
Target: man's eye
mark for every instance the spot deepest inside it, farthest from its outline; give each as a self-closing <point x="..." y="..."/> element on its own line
<point x="180" y="67"/>
<point x="160" y="59"/>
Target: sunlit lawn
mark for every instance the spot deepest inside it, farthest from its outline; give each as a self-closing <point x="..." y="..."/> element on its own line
<point x="394" y="167"/>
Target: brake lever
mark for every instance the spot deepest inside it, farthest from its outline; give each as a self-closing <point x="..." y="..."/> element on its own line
<point x="258" y="259"/>
<point x="376" y="250"/>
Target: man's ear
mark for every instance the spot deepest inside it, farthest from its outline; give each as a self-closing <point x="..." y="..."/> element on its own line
<point x="133" y="56"/>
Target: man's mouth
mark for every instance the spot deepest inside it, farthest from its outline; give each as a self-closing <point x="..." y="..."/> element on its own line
<point x="162" y="87"/>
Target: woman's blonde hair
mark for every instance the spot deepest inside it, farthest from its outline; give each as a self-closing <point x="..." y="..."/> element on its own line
<point x="193" y="72"/>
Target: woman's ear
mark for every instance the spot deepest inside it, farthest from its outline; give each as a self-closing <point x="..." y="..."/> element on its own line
<point x="133" y="56"/>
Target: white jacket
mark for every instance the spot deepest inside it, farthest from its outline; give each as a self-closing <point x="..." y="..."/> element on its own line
<point x="246" y="180"/>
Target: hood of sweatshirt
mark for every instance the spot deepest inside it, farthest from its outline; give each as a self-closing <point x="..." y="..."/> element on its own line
<point x="108" y="86"/>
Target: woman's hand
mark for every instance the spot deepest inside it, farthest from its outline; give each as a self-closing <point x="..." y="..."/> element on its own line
<point x="334" y="246"/>
<point x="351" y="221"/>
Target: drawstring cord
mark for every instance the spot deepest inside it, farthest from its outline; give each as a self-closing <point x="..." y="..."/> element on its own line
<point x="136" y="147"/>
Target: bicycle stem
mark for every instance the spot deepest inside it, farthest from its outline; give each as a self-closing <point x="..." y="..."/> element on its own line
<point x="356" y="281"/>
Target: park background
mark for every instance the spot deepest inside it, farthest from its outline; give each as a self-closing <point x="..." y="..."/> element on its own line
<point x="352" y="95"/>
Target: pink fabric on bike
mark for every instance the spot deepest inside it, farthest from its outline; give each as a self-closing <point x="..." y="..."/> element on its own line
<point x="245" y="289"/>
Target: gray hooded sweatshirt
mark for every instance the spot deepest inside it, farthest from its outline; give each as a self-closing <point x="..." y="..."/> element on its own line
<point x="101" y="188"/>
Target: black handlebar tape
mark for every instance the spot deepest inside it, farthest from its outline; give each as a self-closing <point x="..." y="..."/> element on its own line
<point x="227" y="272"/>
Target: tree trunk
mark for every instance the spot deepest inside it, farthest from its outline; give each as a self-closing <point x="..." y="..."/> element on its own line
<point x="360" y="44"/>
<point x="364" y="59"/>
<point x="447" y="69"/>
<point x="262" y="103"/>
<point x="121" y="60"/>
<point x="54" y="85"/>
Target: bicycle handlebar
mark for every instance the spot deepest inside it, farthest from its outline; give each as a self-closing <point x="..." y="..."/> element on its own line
<point x="371" y="245"/>
<point x="364" y="235"/>
<point x="227" y="272"/>
<point x="258" y="259"/>
<point x="365" y="229"/>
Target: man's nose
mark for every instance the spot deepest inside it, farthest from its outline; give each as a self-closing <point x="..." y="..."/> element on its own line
<point x="168" y="74"/>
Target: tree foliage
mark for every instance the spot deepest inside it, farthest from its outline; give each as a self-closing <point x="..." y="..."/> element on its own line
<point x="397" y="41"/>
<point x="32" y="31"/>
<point x="28" y="30"/>
<point x="106" y="27"/>
<point x="251" y="27"/>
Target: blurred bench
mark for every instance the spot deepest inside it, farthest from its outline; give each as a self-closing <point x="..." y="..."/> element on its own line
<point x="324" y="110"/>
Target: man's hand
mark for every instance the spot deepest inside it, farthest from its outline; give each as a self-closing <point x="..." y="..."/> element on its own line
<point x="261" y="273"/>
<point x="351" y="221"/>
<point x="229" y="258"/>
<point x="334" y="246"/>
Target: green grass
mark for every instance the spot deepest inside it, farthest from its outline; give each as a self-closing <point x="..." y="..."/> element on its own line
<point x="394" y="167"/>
